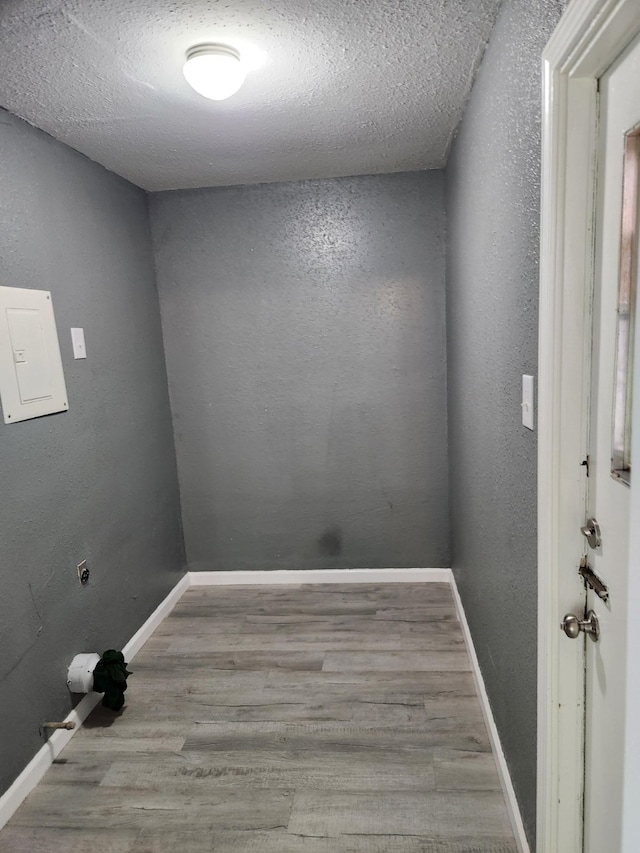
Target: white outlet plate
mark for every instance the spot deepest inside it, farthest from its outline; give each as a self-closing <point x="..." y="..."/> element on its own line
<point x="528" y="411"/>
<point x="77" y="341"/>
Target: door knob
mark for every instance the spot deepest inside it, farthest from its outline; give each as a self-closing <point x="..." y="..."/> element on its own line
<point x="591" y="532"/>
<point x="572" y="626"/>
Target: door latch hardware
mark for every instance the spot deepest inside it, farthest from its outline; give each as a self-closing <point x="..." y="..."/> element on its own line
<point x="591" y="532"/>
<point x="572" y="626"/>
<point x="591" y="578"/>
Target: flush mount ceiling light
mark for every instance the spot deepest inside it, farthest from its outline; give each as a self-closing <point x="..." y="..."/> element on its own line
<point x="214" y="70"/>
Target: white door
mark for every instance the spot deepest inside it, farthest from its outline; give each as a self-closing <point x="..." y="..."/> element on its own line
<point x="608" y="498"/>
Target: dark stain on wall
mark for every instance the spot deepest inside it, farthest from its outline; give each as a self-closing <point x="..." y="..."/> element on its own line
<point x="330" y="543"/>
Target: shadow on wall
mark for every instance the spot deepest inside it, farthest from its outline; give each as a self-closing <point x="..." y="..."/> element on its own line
<point x="330" y="543"/>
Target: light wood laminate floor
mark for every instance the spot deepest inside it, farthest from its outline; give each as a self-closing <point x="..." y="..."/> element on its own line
<point x="283" y="719"/>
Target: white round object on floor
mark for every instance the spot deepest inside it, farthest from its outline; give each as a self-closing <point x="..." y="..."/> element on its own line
<point x="80" y="674"/>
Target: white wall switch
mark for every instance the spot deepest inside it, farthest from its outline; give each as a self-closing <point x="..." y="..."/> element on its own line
<point x="528" y="411"/>
<point x="31" y="378"/>
<point x="77" y="339"/>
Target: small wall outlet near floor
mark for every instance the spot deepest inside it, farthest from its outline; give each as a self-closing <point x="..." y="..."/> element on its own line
<point x="83" y="572"/>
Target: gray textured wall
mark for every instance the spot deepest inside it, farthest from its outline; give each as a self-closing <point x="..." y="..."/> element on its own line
<point x="304" y="329"/>
<point x="493" y="207"/>
<point x="98" y="483"/>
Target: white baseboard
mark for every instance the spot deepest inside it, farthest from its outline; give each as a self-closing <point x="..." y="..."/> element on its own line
<point x="14" y="796"/>
<point x="494" y="737"/>
<point x="38" y="766"/>
<point x="40" y="763"/>
<point x="162" y="610"/>
<point x="321" y="576"/>
<point x="46" y="755"/>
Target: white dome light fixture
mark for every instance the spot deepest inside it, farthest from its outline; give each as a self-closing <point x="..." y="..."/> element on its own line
<point x="214" y="70"/>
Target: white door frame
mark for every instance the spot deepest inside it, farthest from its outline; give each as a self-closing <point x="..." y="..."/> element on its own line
<point x="589" y="37"/>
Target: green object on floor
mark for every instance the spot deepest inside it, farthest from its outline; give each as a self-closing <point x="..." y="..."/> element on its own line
<point x="110" y="678"/>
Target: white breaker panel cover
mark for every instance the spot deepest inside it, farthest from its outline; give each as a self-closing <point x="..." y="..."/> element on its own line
<point x="31" y="377"/>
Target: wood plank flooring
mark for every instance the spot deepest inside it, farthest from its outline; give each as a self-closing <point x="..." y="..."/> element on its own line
<point x="288" y="719"/>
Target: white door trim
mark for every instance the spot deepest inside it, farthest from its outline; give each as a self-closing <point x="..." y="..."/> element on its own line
<point x="590" y="35"/>
<point x="631" y="783"/>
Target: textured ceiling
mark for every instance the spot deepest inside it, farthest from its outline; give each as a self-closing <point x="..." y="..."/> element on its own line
<point x="338" y="87"/>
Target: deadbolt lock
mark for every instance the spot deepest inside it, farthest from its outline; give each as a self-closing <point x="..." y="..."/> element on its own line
<point x="572" y="626"/>
<point x="591" y="532"/>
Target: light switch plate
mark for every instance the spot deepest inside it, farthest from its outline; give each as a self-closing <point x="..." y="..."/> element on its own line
<point x="77" y="340"/>
<point x="31" y="378"/>
<point x="528" y="411"/>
